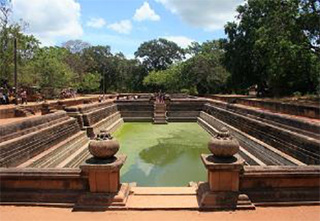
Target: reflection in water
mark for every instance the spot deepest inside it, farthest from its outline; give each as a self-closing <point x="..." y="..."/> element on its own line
<point x="168" y="150"/>
<point x="166" y="155"/>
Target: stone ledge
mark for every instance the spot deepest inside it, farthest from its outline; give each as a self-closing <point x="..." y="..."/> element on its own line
<point x="213" y="163"/>
<point x="112" y="164"/>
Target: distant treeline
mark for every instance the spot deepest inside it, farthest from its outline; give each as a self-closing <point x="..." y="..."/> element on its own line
<point x="274" y="45"/>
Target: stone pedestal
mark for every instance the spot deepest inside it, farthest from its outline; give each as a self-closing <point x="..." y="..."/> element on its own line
<point x="104" y="184"/>
<point x="104" y="174"/>
<point x="222" y="189"/>
<point x="223" y="174"/>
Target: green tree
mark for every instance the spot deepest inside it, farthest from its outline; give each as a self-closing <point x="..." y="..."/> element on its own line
<point x="26" y="44"/>
<point x="203" y="73"/>
<point x="90" y="83"/>
<point x="167" y="80"/>
<point x="159" y="54"/>
<point x="48" y="69"/>
<point x="269" y="47"/>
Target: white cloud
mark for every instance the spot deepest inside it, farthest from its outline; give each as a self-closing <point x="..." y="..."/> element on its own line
<point x="146" y="13"/>
<point x="182" y="41"/>
<point x="96" y="23"/>
<point x="49" y="20"/>
<point x="207" y="14"/>
<point x="123" y="27"/>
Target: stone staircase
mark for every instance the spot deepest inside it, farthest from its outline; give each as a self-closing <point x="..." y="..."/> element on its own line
<point x="56" y="155"/>
<point x="22" y="148"/>
<point x="159" y="115"/>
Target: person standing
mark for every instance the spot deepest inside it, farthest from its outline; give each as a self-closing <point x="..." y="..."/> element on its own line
<point x="24" y="97"/>
<point x="1" y="96"/>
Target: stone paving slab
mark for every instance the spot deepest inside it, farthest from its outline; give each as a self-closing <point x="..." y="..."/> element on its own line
<point x="164" y="190"/>
<point x="173" y="202"/>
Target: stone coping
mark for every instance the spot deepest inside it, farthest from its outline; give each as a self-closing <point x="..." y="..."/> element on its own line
<point x="30" y="122"/>
<point x="212" y="163"/>
<point x="53" y="173"/>
<point x="84" y="108"/>
<point x="310" y="111"/>
<point x="281" y="170"/>
<point x="258" y="112"/>
<point x="111" y="164"/>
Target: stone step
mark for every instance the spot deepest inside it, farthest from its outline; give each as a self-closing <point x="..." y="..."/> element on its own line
<point x="78" y="159"/>
<point x="260" y="150"/>
<point x="27" y="139"/>
<point x="29" y="130"/>
<point x="297" y="145"/>
<point x="36" y="142"/>
<point x="164" y="202"/>
<point x="163" y="191"/>
<point x="62" y="152"/>
<point x="48" y="154"/>
<point x="36" y="148"/>
<point x="160" y="117"/>
<point x="74" y="156"/>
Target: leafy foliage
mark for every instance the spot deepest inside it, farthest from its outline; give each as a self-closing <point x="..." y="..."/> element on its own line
<point x="202" y="73"/>
<point x="269" y="47"/>
<point x="275" y="44"/>
<point x="159" y="54"/>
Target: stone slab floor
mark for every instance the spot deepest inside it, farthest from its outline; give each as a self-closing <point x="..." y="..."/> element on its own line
<point x="299" y="213"/>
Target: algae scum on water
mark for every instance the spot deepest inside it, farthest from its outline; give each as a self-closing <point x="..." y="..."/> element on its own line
<point x="162" y="155"/>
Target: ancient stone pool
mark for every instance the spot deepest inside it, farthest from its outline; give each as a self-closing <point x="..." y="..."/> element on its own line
<point x="162" y="155"/>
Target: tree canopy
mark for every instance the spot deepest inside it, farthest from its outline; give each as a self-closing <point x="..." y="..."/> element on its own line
<point x="274" y="44"/>
<point x="159" y="54"/>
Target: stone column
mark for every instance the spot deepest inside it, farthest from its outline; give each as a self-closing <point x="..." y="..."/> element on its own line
<point x="224" y="169"/>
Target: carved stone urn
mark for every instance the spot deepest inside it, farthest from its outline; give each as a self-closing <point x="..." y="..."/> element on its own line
<point x="223" y="144"/>
<point x="103" y="146"/>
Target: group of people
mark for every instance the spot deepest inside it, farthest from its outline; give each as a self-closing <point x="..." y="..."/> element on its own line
<point x="4" y="96"/>
<point x="160" y="97"/>
<point x="7" y="96"/>
<point x="68" y="93"/>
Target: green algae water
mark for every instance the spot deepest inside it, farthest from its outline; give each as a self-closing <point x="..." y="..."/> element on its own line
<point x="162" y="155"/>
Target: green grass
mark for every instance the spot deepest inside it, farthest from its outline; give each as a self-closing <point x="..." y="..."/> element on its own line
<point x="162" y="155"/>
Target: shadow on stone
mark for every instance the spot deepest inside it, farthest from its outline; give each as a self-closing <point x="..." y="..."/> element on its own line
<point x="214" y="159"/>
<point x="95" y="160"/>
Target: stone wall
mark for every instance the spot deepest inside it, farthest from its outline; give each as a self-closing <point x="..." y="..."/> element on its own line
<point x="17" y="129"/>
<point x="299" y="146"/>
<point x="311" y="111"/>
<point x="184" y="109"/>
<point x="274" y="185"/>
<point x="9" y="112"/>
<point x="252" y="150"/>
<point x="136" y="110"/>
<point x="94" y="117"/>
<point x="304" y="126"/>
<point x="288" y="108"/>
<point x="41" y="186"/>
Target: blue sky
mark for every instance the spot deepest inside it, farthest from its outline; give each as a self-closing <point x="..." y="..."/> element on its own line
<point x="125" y="24"/>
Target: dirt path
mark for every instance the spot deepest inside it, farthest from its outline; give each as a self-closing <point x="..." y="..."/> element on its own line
<point x="302" y="213"/>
